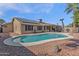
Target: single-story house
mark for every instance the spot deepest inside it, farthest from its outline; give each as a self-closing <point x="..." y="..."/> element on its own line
<point x="23" y="26"/>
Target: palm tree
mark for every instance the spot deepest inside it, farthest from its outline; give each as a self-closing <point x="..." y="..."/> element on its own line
<point x="73" y="7"/>
<point x="62" y="24"/>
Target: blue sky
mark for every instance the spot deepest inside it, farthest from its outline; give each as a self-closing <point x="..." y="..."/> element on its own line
<point x="50" y="13"/>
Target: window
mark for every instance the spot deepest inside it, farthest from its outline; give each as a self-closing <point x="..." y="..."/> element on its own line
<point x="39" y="28"/>
<point x="28" y="27"/>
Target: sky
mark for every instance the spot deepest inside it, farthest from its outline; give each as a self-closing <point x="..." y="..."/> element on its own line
<point x="49" y="12"/>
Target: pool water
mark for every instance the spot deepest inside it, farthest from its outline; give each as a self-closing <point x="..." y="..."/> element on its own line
<point x="40" y="37"/>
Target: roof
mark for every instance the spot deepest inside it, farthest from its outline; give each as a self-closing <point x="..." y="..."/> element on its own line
<point x="29" y="21"/>
<point x="7" y="24"/>
<point x="25" y="20"/>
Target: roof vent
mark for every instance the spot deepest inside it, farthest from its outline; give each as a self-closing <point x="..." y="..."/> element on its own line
<point x="40" y="20"/>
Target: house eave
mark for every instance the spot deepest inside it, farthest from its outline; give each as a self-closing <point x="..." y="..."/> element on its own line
<point x="38" y="24"/>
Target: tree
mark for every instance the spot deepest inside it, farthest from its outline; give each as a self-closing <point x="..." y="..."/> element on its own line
<point x="74" y="8"/>
<point x="62" y="23"/>
<point x="2" y="21"/>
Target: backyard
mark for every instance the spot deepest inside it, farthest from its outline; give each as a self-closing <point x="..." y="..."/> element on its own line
<point x="68" y="48"/>
<point x="25" y="31"/>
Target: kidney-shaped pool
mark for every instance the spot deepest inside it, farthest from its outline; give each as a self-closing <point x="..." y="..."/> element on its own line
<point x="29" y="40"/>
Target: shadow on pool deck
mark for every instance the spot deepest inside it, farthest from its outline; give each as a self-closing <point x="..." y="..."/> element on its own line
<point x="6" y="50"/>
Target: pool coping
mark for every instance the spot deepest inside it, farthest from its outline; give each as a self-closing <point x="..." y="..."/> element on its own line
<point x="43" y="41"/>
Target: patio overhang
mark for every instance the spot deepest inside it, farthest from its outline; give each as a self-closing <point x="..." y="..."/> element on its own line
<point x="36" y="24"/>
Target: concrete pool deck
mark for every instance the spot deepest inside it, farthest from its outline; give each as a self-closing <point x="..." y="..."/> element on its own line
<point x="16" y="42"/>
<point x="47" y="48"/>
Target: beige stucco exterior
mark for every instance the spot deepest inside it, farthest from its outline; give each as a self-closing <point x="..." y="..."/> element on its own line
<point x="34" y="28"/>
<point x="17" y="26"/>
<point x="7" y="28"/>
<point x="68" y="29"/>
<point x="23" y="29"/>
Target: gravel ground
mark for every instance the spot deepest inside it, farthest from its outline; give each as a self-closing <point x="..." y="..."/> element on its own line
<point x="6" y="50"/>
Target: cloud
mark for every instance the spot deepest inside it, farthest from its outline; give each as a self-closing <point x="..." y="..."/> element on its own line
<point x="22" y="8"/>
<point x="26" y="8"/>
<point x="4" y="7"/>
<point x="42" y="8"/>
<point x="1" y="13"/>
<point x="33" y="8"/>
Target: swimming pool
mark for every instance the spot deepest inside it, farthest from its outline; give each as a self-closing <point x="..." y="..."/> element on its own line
<point x="40" y="37"/>
<point x="29" y="40"/>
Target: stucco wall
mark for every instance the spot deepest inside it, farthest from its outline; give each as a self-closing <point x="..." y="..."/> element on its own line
<point x="7" y="28"/>
<point x="23" y="29"/>
<point x="34" y="29"/>
<point x="68" y="29"/>
<point x="16" y="26"/>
